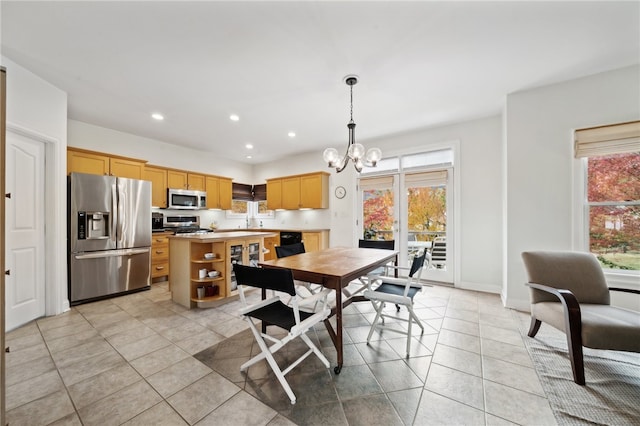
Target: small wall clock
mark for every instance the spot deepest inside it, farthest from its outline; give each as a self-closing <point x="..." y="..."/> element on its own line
<point x="340" y="192"/>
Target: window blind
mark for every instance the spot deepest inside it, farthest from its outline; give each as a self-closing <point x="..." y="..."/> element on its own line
<point x="606" y="140"/>
<point x="382" y="182"/>
<point x="435" y="178"/>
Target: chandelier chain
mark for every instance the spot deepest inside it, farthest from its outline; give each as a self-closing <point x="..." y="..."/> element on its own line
<point x="351" y="91"/>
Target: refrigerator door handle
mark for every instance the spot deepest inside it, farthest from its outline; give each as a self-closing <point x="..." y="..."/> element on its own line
<point x="115" y="235"/>
<point x="111" y="253"/>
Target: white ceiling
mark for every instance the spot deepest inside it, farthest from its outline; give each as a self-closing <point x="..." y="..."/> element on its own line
<point x="280" y="65"/>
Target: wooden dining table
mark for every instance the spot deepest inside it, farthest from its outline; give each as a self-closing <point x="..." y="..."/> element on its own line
<point x="334" y="268"/>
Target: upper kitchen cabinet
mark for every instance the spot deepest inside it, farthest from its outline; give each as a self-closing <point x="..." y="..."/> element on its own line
<point x="274" y="194"/>
<point x="179" y="179"/>
<point x="96" y="163"/>
<point x="291" y="193"/>
<point x="218" y="192"/>
<point x="308" y="191"/>
<point x="158" y="177"/>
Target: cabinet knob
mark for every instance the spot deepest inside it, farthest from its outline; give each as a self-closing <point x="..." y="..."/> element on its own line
<point x="159" y="251"/>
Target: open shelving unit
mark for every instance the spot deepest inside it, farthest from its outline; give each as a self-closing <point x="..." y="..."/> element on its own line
<point x="213" y="286"/>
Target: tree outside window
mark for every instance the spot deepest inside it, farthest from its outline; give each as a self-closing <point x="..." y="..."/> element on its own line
<point x="613" y="201"/>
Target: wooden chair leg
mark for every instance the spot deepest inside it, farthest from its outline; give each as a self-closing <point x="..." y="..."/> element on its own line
<point x="574" y="344"/>
<point x="534" y="327"/>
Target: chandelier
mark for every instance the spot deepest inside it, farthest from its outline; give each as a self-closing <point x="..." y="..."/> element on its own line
<point x="355" y="151"/>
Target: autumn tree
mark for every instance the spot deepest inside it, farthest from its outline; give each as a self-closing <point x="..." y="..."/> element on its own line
<point x="377" y="209"/>
<point x="615" y="180"/>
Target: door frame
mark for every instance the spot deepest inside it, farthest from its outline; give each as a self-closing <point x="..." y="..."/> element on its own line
<point x="453" y="223"/>
<point x="55" y="234"/>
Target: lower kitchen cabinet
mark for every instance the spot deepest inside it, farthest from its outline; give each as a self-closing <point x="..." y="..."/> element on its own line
<point x="244" y="252"/>
<point x="186" y="264"/>
<point x="206" y="262"/>
<point x="160" y="255"/>
<point x="315" y="241"/>
<point x="270" y="244"/>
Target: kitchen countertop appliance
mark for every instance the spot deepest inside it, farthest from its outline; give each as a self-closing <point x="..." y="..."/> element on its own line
<point x="184" y="224"/>
<point x="157" y="222"/>
<point x="109" y="236"/>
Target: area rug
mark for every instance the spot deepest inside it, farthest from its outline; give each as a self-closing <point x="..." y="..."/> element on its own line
<point x="611" y="395"/>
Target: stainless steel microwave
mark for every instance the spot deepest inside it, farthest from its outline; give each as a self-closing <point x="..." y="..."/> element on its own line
<point x="186" y="199"/>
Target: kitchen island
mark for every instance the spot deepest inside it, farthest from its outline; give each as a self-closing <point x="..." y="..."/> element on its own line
<point x="201" y="265"/>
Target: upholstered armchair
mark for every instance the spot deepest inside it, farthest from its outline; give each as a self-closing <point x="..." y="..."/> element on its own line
<point x="570" y="293"/>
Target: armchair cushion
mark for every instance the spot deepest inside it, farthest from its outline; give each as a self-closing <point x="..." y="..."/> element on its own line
<point x="603" y="326"/>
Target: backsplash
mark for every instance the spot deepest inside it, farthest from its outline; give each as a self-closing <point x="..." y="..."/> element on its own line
<point x="285" y="219"/>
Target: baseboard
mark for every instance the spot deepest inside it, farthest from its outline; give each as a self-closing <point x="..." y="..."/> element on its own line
<point x="485" y="288"/>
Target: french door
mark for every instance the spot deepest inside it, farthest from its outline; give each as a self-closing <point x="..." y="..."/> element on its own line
<point x="414" y="209"/>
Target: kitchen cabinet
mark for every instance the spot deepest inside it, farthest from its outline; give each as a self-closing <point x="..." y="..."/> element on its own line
<point x="218" y="192"/>
<point x="158" y="177"/>
<point x="187" y="258"/>
<point x="185" y="263"/>
<point x="315" y="241"/>
<point x="274" y="194"/>
<point x="291" y="193"/>
<point x="314" y="191"/>
<point x="308" y="191"/>
<point x="244" y="252"/>
<point x="180" y="179"/>
<point x="96" y="163"/>
<point x="270" y="244"/>
<point x="160" y="255"/>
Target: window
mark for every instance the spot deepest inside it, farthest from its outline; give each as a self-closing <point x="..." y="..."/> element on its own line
<point x="249" y="209"/>
<point x="611" y="155"/>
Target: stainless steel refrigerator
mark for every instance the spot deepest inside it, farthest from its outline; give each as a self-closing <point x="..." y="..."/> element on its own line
<point x="109" y="236"/>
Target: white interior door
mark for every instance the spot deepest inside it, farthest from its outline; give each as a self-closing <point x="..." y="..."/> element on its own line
<point x="25" y="233"/>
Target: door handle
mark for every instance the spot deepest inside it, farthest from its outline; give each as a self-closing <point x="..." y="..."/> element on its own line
<point x="7" y="272"/>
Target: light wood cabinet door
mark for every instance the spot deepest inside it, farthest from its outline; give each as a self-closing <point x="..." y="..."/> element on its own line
<point x="291" y="193"/>
<point x="126" y="168"/>
<point x="315" y="241"/>
<point x="212" y="185"/>
<point x="218" y="192"/>
<point x="158" y="178"/>
<point x="86" y="162"/>
<point x="314" y="191"/>
<point x="311" y="241"/>
<point x="270" y="244"/>
<point x="274" y="194"/>
<point x="225" y="195"/>
<point x="176" y="179"/>
<point x="196" y="182"/>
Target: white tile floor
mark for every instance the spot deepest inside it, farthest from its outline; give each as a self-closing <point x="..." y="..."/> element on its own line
<point x="129" y="360"/>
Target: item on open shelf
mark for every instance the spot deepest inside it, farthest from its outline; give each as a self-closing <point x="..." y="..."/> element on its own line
<point x="211" y="290"/>
<point x="202" y="273"/>
<point x="200" y="292"/>
<point x="213" y="274"/>
<point x="209" y="256"/>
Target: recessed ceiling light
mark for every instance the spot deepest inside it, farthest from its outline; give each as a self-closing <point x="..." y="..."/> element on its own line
<point x="234" y="117"/>
<point x="248" y="146"/>
<point x="291" y="134"/>
<point x="249" y="157"/>
<point x="157" y="116"/>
